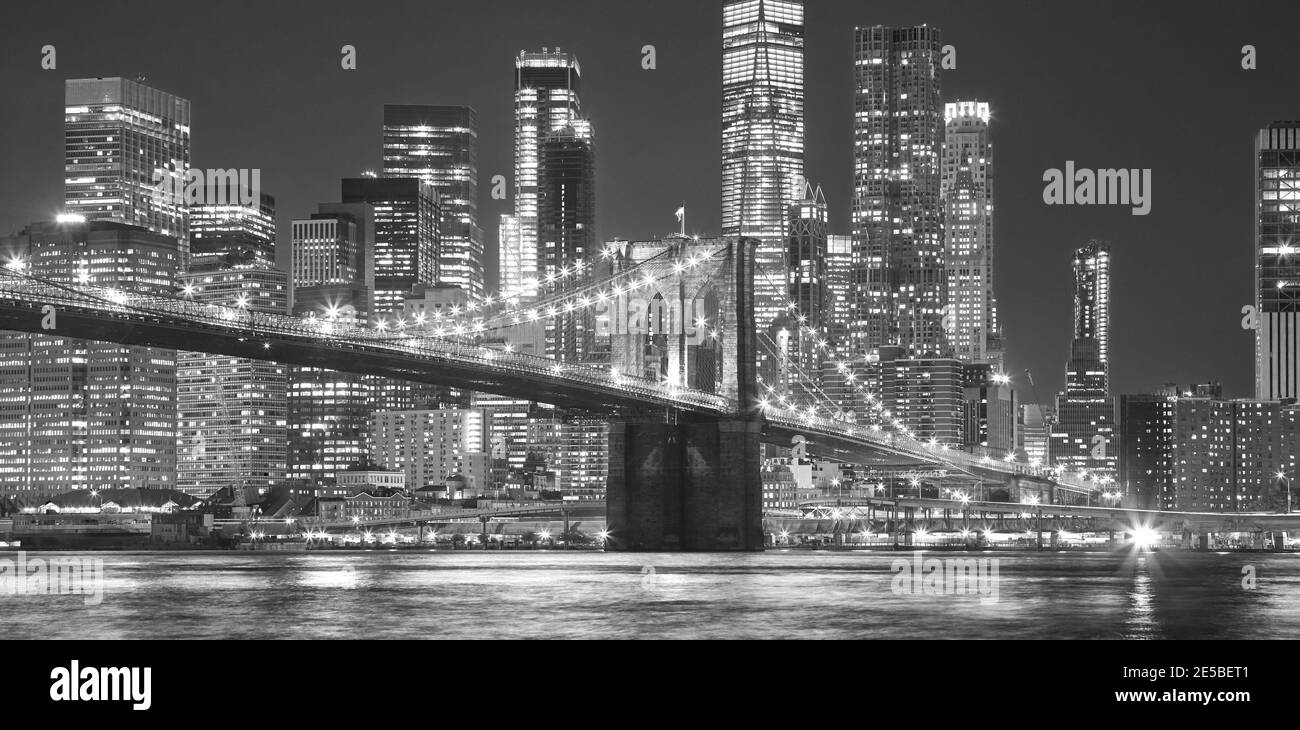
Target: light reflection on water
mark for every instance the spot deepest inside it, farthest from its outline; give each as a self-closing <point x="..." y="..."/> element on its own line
<point x="778" y="594"/>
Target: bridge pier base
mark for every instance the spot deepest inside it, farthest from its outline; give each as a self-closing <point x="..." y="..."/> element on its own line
<point x="693" y="486"/>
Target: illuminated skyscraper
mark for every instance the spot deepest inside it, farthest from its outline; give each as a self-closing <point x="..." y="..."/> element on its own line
<point x="806" y="280"/>
<point x="566" y="227"/>
<point x="333" y="274"/>
<point x="231" y="411"/>
<point x="1083" y="436"/>
<point x="839" y="278"/>
<point x="763" y="135"/>
<point x="121" y="138"/>
<point x="898" y="275"/>
<point x="1277" y="261"/>
<point x="1092" y="296"/>
<point x="973" y="330"/>
<point x="547" y="100"/>
<point x="439" y="145"/>
<point x="405" y="251"/>
<point x="78" y="414"/>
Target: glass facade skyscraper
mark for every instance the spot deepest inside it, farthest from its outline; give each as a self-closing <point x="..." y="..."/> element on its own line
<point x="405" y="251"/>
<point x="101" y="415"/>
<point x="547" y="100"/>
<point x="566" y="227"/>
<point x="763" y="135"/>
<point x="898" y="276"/>
<point x="439" y="146"/>
<point x="121" y="137"/>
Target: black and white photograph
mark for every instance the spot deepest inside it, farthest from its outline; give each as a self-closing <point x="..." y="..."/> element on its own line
<point x="744" y="320"/>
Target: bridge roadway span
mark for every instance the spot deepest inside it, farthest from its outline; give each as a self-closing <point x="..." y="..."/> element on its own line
<point x="30" y="304"/>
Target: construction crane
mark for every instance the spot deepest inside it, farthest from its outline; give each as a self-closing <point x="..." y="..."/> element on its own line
<point x="1048" y="416"/>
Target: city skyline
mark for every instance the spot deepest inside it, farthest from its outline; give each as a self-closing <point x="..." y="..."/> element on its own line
<point x="1199" y="307"/>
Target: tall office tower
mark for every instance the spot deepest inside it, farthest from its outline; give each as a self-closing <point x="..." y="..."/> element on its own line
<point x="898" y="267"/>
<point x="566" y="205"/>
<point x="547" y="100"/>
<point x="762" y="135"/>
<point x="839" y="282"/>
<point x="328" y="417"/>
<point x="405" y="253"/>
<point x="122" y="140"/>
<point x="332" y="270"/>
<point x="432" y="446"/>
<point x="806" y="280"/>
<point x="233" y="227"/>
<point x="1083" y="436"/>
<point x="231" y="411"/>
<point x="1146" y="440"/>
<point x="333" y="276"/>
<point x="967" y="185"/>
<point x="566" y="199"/>
<point x="77" y="414"/>
<point x="1277" y="261"/>
<point x="439" y="145"/>
<point x="327" y="249"/>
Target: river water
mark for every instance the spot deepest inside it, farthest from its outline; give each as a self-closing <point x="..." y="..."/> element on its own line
<point x="777" y="594"/>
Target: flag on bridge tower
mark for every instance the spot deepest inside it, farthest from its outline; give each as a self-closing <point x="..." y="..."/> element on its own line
<point x="681" y="217"/>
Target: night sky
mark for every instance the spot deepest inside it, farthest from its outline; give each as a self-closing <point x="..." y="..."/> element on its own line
<point x="1107" y="84"/>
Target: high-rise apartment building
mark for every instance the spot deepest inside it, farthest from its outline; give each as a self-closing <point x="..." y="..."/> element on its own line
<point x="925" y="396"/>
<point x="897" y="209"/>
<point x="1145" y="424"/>
<point x="762" y="135"/>
<point x="439" y="146"/>
<point x="972" y="329"/>
<point x="432" y="446"/>
<point x="1228" y="454"/>
<point x="574" y="449"/>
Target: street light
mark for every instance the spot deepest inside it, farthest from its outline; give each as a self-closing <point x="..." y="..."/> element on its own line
<point x="1282" y="476"/>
